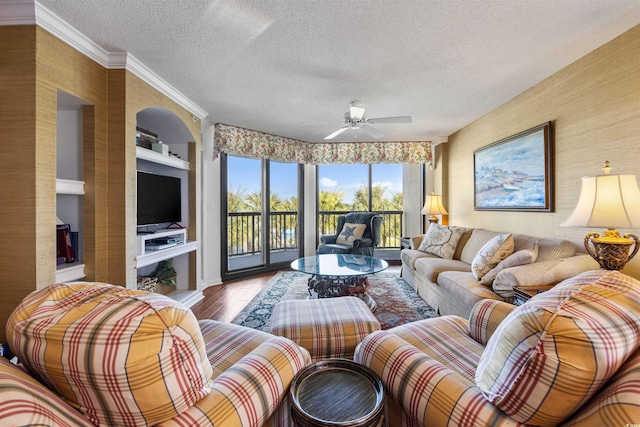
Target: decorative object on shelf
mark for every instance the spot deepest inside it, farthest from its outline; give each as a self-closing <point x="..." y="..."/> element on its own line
<point x="516" y="173"/>
<point x="145" y="138"/>
<point x="611" y="201"/>
<point x="162" y="280"/>
<point x="433" y="206"/>
<point x="147" y="284"/>
<point x="161" y="148"/>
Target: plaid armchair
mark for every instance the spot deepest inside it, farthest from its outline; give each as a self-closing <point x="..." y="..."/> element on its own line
<point x="97" y="354"/>
<point x="356" y="245"/>
<point x="569" y="356"/>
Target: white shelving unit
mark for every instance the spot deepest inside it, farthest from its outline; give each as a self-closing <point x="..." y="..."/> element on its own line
<point x="150" y="160"/>
<point x="69" y="178"/>
<point x="69" y="272"/>
<point x="161" y="159"/>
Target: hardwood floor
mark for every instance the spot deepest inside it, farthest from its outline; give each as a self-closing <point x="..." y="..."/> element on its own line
<point x="224" y="302"/>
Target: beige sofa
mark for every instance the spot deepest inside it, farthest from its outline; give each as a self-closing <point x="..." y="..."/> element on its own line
<point x="449" y="286"/>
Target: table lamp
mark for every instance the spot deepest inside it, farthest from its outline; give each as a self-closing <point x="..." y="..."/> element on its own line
<point x="433" y="206"/>
<point x="610" y="201"/>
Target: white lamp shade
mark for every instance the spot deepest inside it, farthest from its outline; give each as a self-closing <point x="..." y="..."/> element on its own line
<point x="607" y="201"/>
<point x="433" y="206"/>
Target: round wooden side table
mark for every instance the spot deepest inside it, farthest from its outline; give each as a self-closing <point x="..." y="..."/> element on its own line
<point x="337" y="392"/>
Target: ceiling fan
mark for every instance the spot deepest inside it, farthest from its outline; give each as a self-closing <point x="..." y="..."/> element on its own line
<point x="355" y="119"/>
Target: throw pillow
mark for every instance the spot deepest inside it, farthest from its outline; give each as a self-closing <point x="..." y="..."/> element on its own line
<point x="522" y="257"/>
<point x="350" y="232"/>
<point x="441" y="240"/>
<point x="552" y="354"/>
<point x="494" y="251"/>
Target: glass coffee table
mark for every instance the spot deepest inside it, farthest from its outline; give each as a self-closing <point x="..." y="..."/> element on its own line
<point x="339" y="275"/>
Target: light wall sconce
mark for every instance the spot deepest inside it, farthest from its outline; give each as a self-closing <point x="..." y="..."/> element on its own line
<point x="433" y="206"/>
<point x="610" y="201"/>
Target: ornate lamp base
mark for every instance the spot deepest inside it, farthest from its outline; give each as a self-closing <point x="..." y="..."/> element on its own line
<point x="433" y="219"/>
<point x="612" y="250"/>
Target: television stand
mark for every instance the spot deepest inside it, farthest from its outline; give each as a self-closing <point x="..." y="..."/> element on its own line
<point x="171" y="226"/>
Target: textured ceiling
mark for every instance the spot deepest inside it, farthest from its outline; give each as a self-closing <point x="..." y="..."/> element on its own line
<point x="291" y="67"/>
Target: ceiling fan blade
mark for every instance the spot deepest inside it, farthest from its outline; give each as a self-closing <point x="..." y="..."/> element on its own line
<point x="372" y="131"/>
<point x="399" y="119"/>
<point x="336" y="133"/>
<point x="356" y="113"/>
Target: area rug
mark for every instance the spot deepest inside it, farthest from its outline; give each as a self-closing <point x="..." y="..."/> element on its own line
<point x="397" y="302"/>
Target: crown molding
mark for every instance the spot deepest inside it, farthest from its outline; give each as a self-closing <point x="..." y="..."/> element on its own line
<point x="17" y="12"/>
<point x="30" y="12"/>
<point x="439" y="140"/>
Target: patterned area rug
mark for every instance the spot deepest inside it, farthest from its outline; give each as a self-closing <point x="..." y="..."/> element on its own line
<point x="397" y="302"/>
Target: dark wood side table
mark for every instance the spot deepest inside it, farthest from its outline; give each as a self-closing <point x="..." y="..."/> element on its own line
<point x="523" y="294"/>
<point x="337" y="392"/>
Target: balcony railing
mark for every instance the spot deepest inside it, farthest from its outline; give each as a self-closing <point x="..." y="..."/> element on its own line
<point x="245" y="230"/>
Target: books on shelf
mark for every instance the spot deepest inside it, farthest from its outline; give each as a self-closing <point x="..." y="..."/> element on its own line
<point x="65" y="247"/>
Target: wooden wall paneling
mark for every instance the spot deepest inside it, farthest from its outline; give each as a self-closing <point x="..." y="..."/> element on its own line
<point x="119" y="201"/>
<point x="17" y="166"/>
<point x="594" y="105"/>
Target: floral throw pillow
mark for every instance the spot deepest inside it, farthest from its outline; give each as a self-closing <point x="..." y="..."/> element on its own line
<point x="441" y="240"/>
<point x="494" y="251"/>
<point x="350" y="232"/>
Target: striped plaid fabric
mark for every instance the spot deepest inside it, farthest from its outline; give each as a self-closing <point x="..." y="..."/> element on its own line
<point x="25" y="402"/>
<point x="429" y="392"/>
<point x="227" y="343"/>
<point x="485" y="317"/>
<point x="444" y="339"/>
<point x="249" y="392"/>
<point x="552" y="354"/>
<point x="330" y="327"/>
<point x="618" y="404"/>
<point x="121" y="357"/>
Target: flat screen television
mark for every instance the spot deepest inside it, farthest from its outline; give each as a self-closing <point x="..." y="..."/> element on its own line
<point x="159" y="199"/>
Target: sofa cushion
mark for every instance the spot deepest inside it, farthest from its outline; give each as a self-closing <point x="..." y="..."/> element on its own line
<point x="350" y="232"/>
<point x="479" y="237"/>
<point x="429" y="268"/>
<point x="553" y="353"/>
<point x="26" y="402"/>
<point x="121" y="357"/>
<point x="463" y="288"/>
<point x="441" y="240"/>
<point x="410" y="256"/>
<point x="541" y="273"/>
<point x="522" y="257"/>
<point x="494" y="251"/>
<point x="555" y="249"/>
<point x="462" y="242"/>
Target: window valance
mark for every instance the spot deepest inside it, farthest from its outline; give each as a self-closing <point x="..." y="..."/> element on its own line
<point x="250" y="143"/>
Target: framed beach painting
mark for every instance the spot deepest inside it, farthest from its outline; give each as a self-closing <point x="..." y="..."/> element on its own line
<point x="516" y="173"/>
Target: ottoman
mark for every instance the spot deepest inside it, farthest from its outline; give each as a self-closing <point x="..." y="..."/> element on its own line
<point x="327" y="328"/>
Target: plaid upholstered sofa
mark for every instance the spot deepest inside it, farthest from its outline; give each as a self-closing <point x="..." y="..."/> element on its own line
<point x="97" y="354"/>
<point x="569" y="356"/>
<point x="446" y="267"/>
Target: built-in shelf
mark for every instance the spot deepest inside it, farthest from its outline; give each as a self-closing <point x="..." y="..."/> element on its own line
<point x="157" y="256"/>
<point x="69" y="272"/>
<point x="186" y="297"/>
<point x="152" y="156"/>
<point x="69" y="186"/>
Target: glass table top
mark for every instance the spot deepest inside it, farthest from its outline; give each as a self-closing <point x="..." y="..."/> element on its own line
<point x="339" y="265"/>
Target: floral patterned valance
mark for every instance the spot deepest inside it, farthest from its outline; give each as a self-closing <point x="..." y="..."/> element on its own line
<point x="249" y="143"/>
